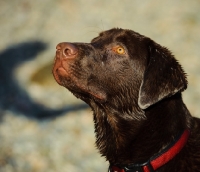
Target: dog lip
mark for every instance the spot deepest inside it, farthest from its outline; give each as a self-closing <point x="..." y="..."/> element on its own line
<point x="57" y="72"/>
<point x="56" y="76"/>
<point x="61" y="71"/>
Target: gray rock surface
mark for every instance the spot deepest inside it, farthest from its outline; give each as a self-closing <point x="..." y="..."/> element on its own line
<point x="29" y="32"/>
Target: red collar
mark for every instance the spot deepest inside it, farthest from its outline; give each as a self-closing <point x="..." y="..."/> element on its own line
<point x="158" y="160"/>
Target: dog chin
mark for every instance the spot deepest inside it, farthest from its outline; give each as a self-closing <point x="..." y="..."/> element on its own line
<point x="84" y="92"/>
<point x="88" y="93"/>
<point x="74" y="85"/>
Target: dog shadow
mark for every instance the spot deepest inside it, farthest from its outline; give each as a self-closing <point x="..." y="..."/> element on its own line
<point x="15" y="98"/>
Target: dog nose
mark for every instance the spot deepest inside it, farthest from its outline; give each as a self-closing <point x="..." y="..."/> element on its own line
<point x="69" y="50"/>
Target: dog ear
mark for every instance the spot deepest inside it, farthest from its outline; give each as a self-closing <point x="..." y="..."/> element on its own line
<point x="163" y="76"/>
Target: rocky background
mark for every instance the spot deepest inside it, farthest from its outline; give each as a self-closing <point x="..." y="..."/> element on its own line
<point x="43" y="127"/>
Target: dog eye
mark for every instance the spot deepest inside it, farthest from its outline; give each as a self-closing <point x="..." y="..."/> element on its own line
<point x="119" y="50"/>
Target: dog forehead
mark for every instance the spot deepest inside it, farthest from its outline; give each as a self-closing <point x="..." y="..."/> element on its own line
<point x="116" y="35"/>
<point x="109" y="35"/>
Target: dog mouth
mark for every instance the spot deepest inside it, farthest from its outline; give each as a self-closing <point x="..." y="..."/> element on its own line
<point x="58" y="69"/>
<point x="77" y="86"/>
<point x="56" y="75"/>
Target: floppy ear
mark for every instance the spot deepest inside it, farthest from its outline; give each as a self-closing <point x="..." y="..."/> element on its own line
<point x="163" y="76"/>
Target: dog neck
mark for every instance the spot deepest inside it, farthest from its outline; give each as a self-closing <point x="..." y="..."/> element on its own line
<point x="124" y="139"/>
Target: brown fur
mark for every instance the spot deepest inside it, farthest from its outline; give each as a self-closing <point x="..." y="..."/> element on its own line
<point x="135" y="96"/>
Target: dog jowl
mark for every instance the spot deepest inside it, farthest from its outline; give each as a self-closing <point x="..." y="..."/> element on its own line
<point x="133" y="86"/>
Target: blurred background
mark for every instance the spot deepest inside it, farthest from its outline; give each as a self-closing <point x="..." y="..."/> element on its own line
<point x="43" y="127"/>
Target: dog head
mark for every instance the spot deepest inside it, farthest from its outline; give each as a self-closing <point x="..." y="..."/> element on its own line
<point x="120" y="68"/>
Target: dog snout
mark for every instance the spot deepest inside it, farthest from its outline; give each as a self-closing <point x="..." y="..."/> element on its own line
<point x="67" y="50"/>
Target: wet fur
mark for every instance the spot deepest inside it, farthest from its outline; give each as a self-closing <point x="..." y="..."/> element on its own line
<point x="136" y="98"/>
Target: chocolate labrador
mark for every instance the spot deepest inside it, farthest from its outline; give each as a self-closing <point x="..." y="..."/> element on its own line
<point x="133" y="86"/>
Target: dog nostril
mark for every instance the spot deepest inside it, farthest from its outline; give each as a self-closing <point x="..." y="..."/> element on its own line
<point x="69" y="50"/>
<point x="66" y="49"/>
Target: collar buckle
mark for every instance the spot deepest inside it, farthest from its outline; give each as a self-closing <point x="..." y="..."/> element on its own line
<point x="135" y="168"/>
<point x="132" y="168"/>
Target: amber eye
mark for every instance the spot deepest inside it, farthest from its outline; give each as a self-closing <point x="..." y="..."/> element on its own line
<point x="119" y="50"/>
